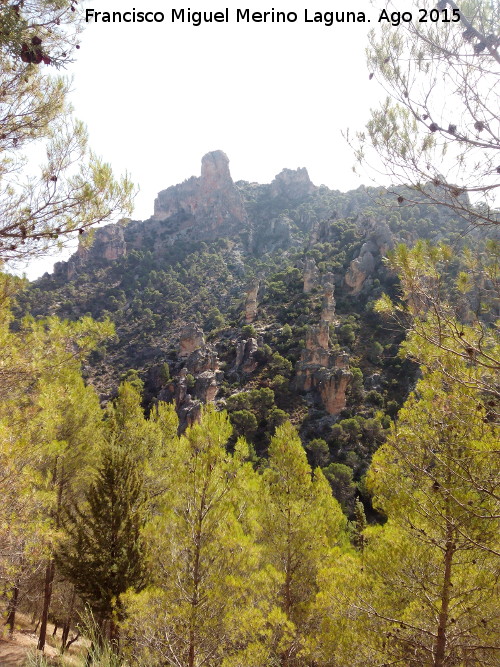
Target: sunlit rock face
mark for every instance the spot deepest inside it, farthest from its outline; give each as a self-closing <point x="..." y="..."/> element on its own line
<point x="106" y="243"/>
<point x="310" y="275"/>
<point x="251" y="301"/>
<point x="322" y="371"/>
<point x="328" y="300"/>
<point x="204" y="207"/>
<point x="191" y="338"/>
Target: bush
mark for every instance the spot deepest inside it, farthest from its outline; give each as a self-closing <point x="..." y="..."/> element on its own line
<point x="248" y="331"/>
<point x="374" y="352"/>
<point x="244" y="423"/>
<point x="346" y="335"/>
<point x="374" y="397"/>
<point x="318" y="453"/>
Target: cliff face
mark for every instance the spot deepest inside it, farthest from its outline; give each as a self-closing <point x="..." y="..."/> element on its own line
<point x="379" y="242"/>
<point x="107" y="243"/>
<point x="204" y="208"/>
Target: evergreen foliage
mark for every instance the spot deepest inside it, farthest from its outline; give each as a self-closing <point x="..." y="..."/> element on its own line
<point x="102" y="552"/>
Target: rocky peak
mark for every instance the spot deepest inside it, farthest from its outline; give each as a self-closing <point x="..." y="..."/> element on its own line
<point x="215" y="170"/>
<point x="292" y="184"/>
<point x="206" y="207"/>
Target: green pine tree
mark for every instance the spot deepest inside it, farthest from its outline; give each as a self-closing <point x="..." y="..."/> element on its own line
<point x="302" y="523"/>
<point x="103" y="551"/>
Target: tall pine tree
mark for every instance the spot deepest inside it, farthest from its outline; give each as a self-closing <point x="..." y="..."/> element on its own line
<point x="103" y="553"/>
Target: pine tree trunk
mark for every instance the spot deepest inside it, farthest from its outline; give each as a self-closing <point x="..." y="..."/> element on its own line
<point x="51" y="566"/>
<point x="67" y="622"/>
<point x="194" y="600"/>
<point x="196" y="582"/>
<point x="12" y="608"/>
<point x="47" y="596"/>
<point x="288" y="582"/>
<point x="440" y="647"/>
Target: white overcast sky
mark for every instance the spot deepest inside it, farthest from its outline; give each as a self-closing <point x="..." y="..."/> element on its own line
<point x="157" y="97"/>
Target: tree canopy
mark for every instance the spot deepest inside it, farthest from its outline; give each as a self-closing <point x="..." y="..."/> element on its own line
<point x="74" y="189"/>
<point x="438" y="130"/>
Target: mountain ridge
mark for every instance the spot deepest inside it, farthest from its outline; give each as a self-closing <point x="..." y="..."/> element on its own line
<point x="258" y="298"/>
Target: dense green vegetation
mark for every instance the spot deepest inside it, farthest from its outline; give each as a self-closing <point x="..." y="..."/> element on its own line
<point x="189" y="550"/>
<point x="207" y="458"/>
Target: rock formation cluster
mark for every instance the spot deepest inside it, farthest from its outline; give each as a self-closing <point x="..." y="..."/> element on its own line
<point x="319" y="369"/>
<point x="199" y="378"/>
<point x="211" y="206"/>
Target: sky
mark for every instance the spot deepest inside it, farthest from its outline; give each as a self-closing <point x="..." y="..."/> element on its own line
<point x="157" y="96"/>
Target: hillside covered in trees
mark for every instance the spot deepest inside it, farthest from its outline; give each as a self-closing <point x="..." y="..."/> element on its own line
<point x="207" y="490"/>
<point x="261" y="427"/>
<point x="259" y="298"/>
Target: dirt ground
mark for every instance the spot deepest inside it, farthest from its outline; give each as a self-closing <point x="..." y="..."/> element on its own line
<point x="13" y="651"/>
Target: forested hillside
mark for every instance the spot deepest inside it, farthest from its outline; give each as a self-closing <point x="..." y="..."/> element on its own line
<point x="261" y="427"/>
<point x="267" y="310"/>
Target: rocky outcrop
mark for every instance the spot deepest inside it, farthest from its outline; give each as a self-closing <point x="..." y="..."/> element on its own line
<point x="293" y="184"/>
<point x="332" y="387"/>
<point x="245" y="355"/>
<point x="191" y="338"/>
<point x="310" y="275"/>
<point x="202" y="359"/>
<point x="379" y="242"/>
<point x="202" y="363"/>
<point x="188" y="410"/>
<point x="322" y="371"/>
<point x="361" y="267"/>
<point x="206" y="386"/>
<point x="203" y="208"/>
<point x="328" y="300"/>
<point x="105" y="243"/>
<point x="317" y="341"/>
<point x="251" y="301"/>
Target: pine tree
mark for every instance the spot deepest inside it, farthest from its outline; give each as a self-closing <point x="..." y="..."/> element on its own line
<point x="359" y="524"/>
<point x="209" y="599"/>
<point x="438" y="128"/>
<point x="74" y="189"/>
<point x="437" y="559"/>
<point x="302" y="522"/>
<point x="103" y="552"/>
<point x="49" y="424"/>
